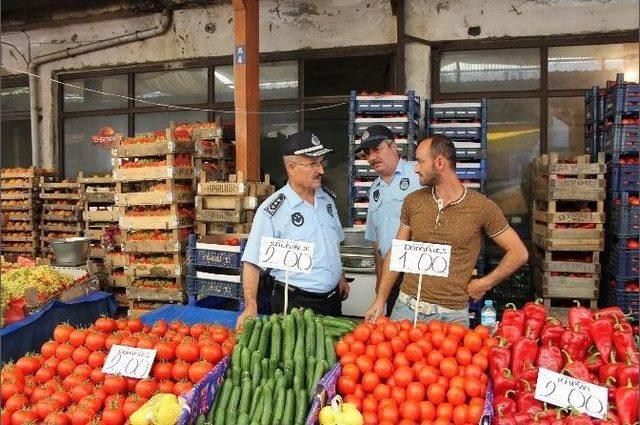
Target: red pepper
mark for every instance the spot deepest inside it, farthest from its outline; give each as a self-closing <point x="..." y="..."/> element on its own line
<point x="575" y="342"/>
<point x="529" y="373"/>
<point x="533" y="328"/>
<point x="625" y="347"/>
<point x="522" y="418"/>
<point x="504" y="404"/>
<point x="612" y="388"/>
<point x="581" y="316"/>
<point x="510" y="332"/>
<point x="547" y="414"/>
<point x="552" y="333"/>
<point x="550" y="358"/>
<point x="504" y="420"/>
<point x="628" y="372"/>
<point x="627" y="404"/>
<point x="610" y="419"/>
<point x="559" y="419"/>
<point x="504" y="382"/>
<point x="579" y="419"/>
<point x="577" y="369"/>
<point x="609" y="370"/>
<point x="513" y="317"/>
<point x="601" y="331"/>
<point x="594" y="362"/>
<point x="523" y="350"/>
<point x="527" y="403"/>
<point x="611" y="312"/>
<point x="535" y="310"/>
<point x="499" y="358"/>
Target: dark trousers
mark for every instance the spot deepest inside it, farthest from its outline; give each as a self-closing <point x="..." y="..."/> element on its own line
<point x="393" y="296"/>
<point x="329" y="304"/>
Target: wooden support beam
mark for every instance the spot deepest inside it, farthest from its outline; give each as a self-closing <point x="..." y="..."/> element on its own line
<point x="247" y="93"/>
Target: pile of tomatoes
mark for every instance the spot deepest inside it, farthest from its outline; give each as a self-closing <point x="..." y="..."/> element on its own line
<point x="65" y="383"/>
<point x="433" y="374"/>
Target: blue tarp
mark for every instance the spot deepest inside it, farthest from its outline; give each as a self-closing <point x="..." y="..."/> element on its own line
<point x="31" y="332"/>
<point x="191" y="315"/>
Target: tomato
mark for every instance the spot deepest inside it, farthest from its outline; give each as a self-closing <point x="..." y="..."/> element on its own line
<point x="115" y="384"/>
<point x="96" y="359"/>
<point x="56" y="418"/>
<point x="16" y="402"/>
<point x="388" y="413"/>
<point x="370" y="351"/>
<point x="165" y="387"/>
<point x="445" y="411"/>
<point x="48" y="349"/>
<point x="369" y="404"/>
<point x="415" y="391"/>
<point x="44" y="374"/>
<point x="180" y="370"/>
<point x="105" y="324"/>
<point x="28" y="364"/>
<point x="456" y="396"/>
<point x="425" y="345"/>
<point x="413" y="352"/>
<point x="480" y="360"/>
<point x="113" y="416"/>
<point x="349" y="358"/>
<point x="473" y="371"/>
<point x="44" y="407"/>
<point x="71" y="381"/>
<point x="80" y="391"/>
<point x="398" y="394"/>
<point x="352" y="371"/>
<point x="20" y="417"/>
<point x="410" y="410"/>
<point x="457" y="330"/>
<point x="146" y="388"/>
<point x="364" y="363"/>
<point x="428" y="375"/>
<point x="197" y="330"/>
<point x="361" y="333"/>
<point x="434" y="358"/>
<point x="129" y="341"/>
<point x="346" y="385"/>
<point x="474" y="413"/>
<point x="376" y="337"/>
<point x="358" y="348"/>
<point x="398" y="345"/>
<point x="437" y="338"/>
<point x="80" y="355"/>
<point x="383" y="368"/>
<point x="381" y="391"/>
<point x="369" y="381"/>
<point x="97" y="376"/>
<point x="436" y="393"/>
<point x="95" y="341"/>
<point x="349" y="339"/>
<point x="463" y="356"/>
<point x="198" y="370"/>
<point x="449" y="367"/>
<point x="65" y="367"/>
<point x="61" y="333"/>
<point x="369" y="418"/>
<point x="160" y="328"/>
<point x="80" y="415"/>
<point x="62" y="397"/>
<point x="40" y="393"/>
<point x="401" y="360"/>
<point x="113" y="339"/>
<point x="460" y="414"/>
<point x="384" y="350"/>
<point x="415" y="335"/>
<point x="134" y="325"/>
<point x="77" y="337"/>
<point x="390" y="331"/>
<point x="131" y="404"/>
<point x="402" y="376"/>
<point x="449" y="346"/>
<point x="341" y="348"/>
<point x="64" y="351"/>
<point x="211" y="353"/>
<point x="165" y="351"/>
<point x="473" y="342"/>
<point x="427" y="411"/>
<point x="182" y="387"/>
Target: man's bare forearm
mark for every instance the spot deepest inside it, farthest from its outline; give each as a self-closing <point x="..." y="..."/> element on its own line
<point x="250" y="279"/>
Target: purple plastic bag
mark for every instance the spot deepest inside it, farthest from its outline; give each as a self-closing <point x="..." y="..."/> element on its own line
<point x="325" y="390"/>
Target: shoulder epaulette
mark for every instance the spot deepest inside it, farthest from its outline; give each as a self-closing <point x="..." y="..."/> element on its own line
<point x="273" y="207"/>
<point x="329" y="192"/>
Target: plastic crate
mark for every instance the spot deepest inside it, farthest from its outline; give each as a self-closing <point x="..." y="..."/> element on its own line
<point x="628" y="301"/>
<point x="624" y="263"/>
<point x="215" y="254"/>
<point x="397" y="125"/>
<point x="456" y="111"/>
<point x="594" y="106"/>
<point x="363" y="169"/>
<point x="472" y="170"/>
<point x="198" y="288"/>
<point x="620" y="138"/>
<point x="624" y="178"/>
<point x="388" y="104"/>
<point x="624" y="220"/>
<point x="622" y="99"/>
<point x="471" y="149"/>
<point x="593" y="140"/>
<point x="468" y="130"/>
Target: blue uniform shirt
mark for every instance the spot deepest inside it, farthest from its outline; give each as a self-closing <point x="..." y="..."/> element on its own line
<point x="385" y="204"/>
<point x="286" y="215"/>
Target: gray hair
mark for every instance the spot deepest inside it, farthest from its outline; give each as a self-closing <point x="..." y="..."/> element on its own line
<point x="288" y="159"/>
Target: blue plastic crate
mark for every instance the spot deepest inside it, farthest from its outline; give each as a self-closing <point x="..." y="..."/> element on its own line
<point x="218" y="255"/>
<point x="622" y="99"/>
<point x="594" y="106"/>
<point x="624" y="263"/>
<point x="620" y="243"/>
<point x="594" y="140"/>
<point x="621" y="138"/>
<point x="471" y="149"/>
<point x="624" y="177"/>
<point x="476" y="170"/>
<point x="198" y="288"/>
<point x="470" y="111"/>
<point x="464" y="131"/>
<point x="393" y="124"/>
<point x="629" y="302"/>
<point x="624" y="220"/>
<point x="392" y="104"/>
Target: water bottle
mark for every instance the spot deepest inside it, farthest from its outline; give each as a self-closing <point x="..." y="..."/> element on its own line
<point x="488" y="315"/>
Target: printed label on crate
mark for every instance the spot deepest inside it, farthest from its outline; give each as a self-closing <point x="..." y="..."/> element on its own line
<point x="128" y="361"/>
<point x="420" y="258"/>
<point x="286" y="254"/>
<point x="565" y="391"/>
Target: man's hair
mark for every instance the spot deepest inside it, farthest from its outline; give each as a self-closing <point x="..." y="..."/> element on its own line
<point x="442" y="145"/>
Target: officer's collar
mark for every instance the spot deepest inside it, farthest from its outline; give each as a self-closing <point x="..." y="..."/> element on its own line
<point x="399" y="166"/>
<point x="296" y="199"/>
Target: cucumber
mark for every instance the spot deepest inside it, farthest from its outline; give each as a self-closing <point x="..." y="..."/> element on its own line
<point x="236" y="375"/>
<point x="276" y="343"/>
<point x="299" y="372"/>
<point x="257" y="395"/>
<point x="289" y="370"/>
<point x="243" y="419"/>
<point x="225" y="395"/>
<point x="302" y="407"/>
<point x="289" y="337"/>
<point x="256" y="368"/>
<point x="245" y="396"/>
<point x="347" y="324"/>
<point x="334" y="333"/>
<point x="257" y="408"/>
<point x="273" y="365"/>
<point x="264" y="372"/>
<point x="319" y="340"/>
<point x="232" y="409"/>
<point x="298" y="382"/>
<point x="200" y="420"/>
<point x="255" y="336"/>
<point x="299" y="321"/>
<point x="265" y="419"/>
<point x="245" y="359"/>
<point x="321" y="368"/>
<point x="310" y="335"/>
<point x="263" y="343"/>
<point x="330" y="351"/>
<point x="311" y="367"/>
<point x="278" y="411"/>
<point x="274" y="318"/>
<point x="289" y="408"/>
<point x="236" y="356"/>
<point x="247" y="328"/>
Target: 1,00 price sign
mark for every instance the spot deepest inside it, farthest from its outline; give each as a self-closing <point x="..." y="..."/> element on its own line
<point x="565" y="391"/>
<point x="420" y="258"/>
<point x="286" y="254"/>
<point x="129" y="362"/>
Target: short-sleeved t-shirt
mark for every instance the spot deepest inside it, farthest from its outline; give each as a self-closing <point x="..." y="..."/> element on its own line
<point x="459" y="224"/>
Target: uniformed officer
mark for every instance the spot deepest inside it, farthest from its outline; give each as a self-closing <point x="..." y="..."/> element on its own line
<point x="396" y="180"/>
<point x="302" y="210"/>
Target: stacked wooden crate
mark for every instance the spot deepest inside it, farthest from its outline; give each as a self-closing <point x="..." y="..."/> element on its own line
<point x="20" y="206"/>
<point x="62" y="206"/>
<point x="154" y="178"/>
<point x="568" y="233"/>
<point x="99" y="211"/>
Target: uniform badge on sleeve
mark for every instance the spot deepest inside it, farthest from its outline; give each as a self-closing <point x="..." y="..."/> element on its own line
<point x="376" y="195"/>
<point x="297" y="219"/>
<point x="404" y="183"/>
<point x="330" y="210"/>
<point x="273" y="207"/>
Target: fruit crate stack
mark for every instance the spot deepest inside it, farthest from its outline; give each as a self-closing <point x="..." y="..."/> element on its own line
<point x="214" y="157"/>
<point x="99" y="211"/>
<point x="228" y="206"/>
<point x="20" y="206"/>
<point x="594" y="121"/>
<point x="62" y="207"/>
<point x="622" y="147"/>
<point x="400" y="113"/>
<point x="568" y="227"/>
<point x="154" y="178"/>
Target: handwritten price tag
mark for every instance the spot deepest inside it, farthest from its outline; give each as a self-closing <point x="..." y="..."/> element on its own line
<point x="129" y="362"/>
<point x="286" y="254"/>
<point x="564" y="391"/>
<point x="420" y="258"/>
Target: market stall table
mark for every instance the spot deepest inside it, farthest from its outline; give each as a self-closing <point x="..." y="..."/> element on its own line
<point x="31" y="332"/>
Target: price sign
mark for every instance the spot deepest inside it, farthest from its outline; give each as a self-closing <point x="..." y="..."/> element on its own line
<point x="286" y="254"/>
<point x="420" y="258"/>
<point x="565" y="391"/>
<point x="129" y="362"/>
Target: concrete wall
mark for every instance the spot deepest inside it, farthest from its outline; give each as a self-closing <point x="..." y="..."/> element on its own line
<point x="289" y="25"/>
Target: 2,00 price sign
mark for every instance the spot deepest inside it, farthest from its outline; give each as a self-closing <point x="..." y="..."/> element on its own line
<point x="420" y="258"/>
<point x="129" y="362"/>
<point x="565" y="391"/>
<point x="286" y="254"/>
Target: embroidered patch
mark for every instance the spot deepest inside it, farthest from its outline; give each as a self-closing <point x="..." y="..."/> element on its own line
<point x="376" y="195"/>
<point x="275" y="204"/>
<point x="314" y="140"/>
<point x="297" y="219"/>
<point x="365" y="135"/>
<point x="330" y="210"/>
<point x="404" y="183"/>
<point x="329" y="192"/>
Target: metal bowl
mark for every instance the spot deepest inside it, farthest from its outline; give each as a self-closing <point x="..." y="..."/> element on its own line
<point x="355" y="237"/>
<point x="70" y="252"/>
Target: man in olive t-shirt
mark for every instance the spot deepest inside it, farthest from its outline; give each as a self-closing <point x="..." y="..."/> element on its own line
<point x="445" y="212"/>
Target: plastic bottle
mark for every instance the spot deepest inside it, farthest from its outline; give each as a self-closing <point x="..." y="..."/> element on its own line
<point x="488" y="315"/>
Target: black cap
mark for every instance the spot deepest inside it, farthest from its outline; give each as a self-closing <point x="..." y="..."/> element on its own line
<point x="304" y="143"/>
<point x="373" y="136"/>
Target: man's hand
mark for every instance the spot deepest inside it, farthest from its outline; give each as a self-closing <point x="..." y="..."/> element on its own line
<point x="343" y="287"/>
<point x="477" y="288"/>
<point x="376" y="310"/>
<point x="246" y="313"/>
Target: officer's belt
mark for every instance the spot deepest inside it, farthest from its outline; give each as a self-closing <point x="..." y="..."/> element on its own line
<point x="301" y="292"/>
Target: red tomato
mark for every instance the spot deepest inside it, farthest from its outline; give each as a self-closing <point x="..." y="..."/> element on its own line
<point x="28" y="364"/>
<point x="96" y="359"/>
<point x="165" y="387"/>
<point x="480" y="360"/>
<point x="56" y="418"/>
<point x="364" y="363"/>
<point x="445" y="411"/>
<point x="346" y="385"/>
<point x="95" y="341"/>
<point x="460" y="414"/>
<point x="456" y="396"/>
<point x="358" y="348"/>
<point x="180" y="370"/>
<point x="449" y="346"/>
<point x="415" y="391"/>
<point x="473" y="341"/>
<point x="369" y="418"/>
<point x="20" y="417"/>
<point x="428" y="375"/>
<point x="198" y="370"/>
<point x="384" y="350"/>
<point x="16" y="402"/>
<point x="410" y="410"/>
<point x="413" y="352"/>
<point x="463" y="356"/>
<point x="401" y="360"/>
<point x="341" y="348"/>
<point x="361" y="333"/>
<point x="165" y="351"/>
<point x="61" y="333"/>
<point x="383" y="367"/>
<point x="81" y="355"/>
<point x="436" y="393"/>
<point x="403" y="376"/>
<point x="449" y="367"/>
<point x="369" y="404"/>
<point x="388" y="413"/>
<point x="437" y="338"/>
<point x="182" y="387"/>
<point x="48" y="349"/>
<point x="415" y="335"/>
<point x="369" y="381"/>
<point x="348" y="358"/>
<point x="390" y="331"/>
<point x="352" y="371"/>
<point x="44" y="374"/>
<point x="427" y="411"/>
<point x="376" y="337"/>
<point x="65" y="367"/>
<point x="434" y="358"/>
<point x="64" y="351"/>
<point x="398" y="345"/>
<point x="381" y="391"/>
<point x="188" y="351"/>
<point x="370" y="351"/>
<point x="115" y="384"/>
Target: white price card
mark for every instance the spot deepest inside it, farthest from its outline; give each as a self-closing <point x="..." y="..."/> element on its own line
<point x="286" y="254"/>
<point x="128" y="361"/>
<point x="565" y="391"/>
<point x="420" y="258"/>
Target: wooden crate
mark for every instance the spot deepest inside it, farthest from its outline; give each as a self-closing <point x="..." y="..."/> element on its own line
<point x="565" y="286"/>
<point x="53" y="207"/>
<point x="25" y="173"/>
<point x="552" y="215"/>
<point x="166" y="146"/>
<point x="582" y="180"/>
<point x="167" y="222"/>
<point x="549" y="231"/>
<point x="116" y="259"/>
<point x="25" y="236"/>
<point x="156" y="294"/>
<point x="61" y="227"/>
<point x="155" y="270"/>
<point x="203" y="229"/>
<point x="25" y="194"/>
<point x="99" y="197"/>
<point x="174" y="242"/>
<point x="153" y="173"/>
<point x="557" y="244"/>
<point x="221" y="216"/>
<point x="235" y="187"/>
<point x="236" y="203"/>
<point x="101" y="215"/>
<point x="153" y="198"/>
<point x="544" y="260"/>
<point x="552" y="164"/>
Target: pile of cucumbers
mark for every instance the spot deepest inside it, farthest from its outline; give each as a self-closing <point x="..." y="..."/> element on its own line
<point x="275" y="368"/>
